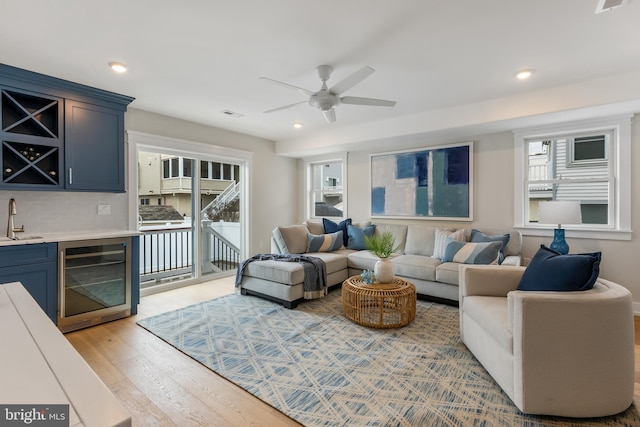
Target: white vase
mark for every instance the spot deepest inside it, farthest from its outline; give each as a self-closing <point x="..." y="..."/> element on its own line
<point x="383" y="271"/>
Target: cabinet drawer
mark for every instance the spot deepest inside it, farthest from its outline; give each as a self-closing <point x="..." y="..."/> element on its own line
<point x="27" y="254"/>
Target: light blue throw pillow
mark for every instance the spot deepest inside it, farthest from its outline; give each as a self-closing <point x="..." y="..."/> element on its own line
<point x="478" y="236"/>
<point x="471" y="253"/>
<point x="324" y="242"/>
<point x="356" y="236"/>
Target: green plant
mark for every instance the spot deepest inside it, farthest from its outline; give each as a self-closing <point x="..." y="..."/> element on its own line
<point x="380" y="244"/>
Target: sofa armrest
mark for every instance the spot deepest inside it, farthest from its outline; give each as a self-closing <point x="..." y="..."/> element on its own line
<point x="582" y="343"/>
<point x="275" y="249"/>
<point x="489" y="280"/>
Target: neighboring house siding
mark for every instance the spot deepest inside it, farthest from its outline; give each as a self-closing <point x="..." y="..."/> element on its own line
<point x="594" y="192"/>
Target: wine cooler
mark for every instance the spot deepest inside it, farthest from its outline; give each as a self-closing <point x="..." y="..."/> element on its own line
<point x="94" y="280"/>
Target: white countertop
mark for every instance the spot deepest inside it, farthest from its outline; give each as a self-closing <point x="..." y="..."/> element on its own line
<point x="70" y="236"/>
<point x="40" y="367"/>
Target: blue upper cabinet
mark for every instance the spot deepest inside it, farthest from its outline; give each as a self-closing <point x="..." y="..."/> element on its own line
<point x="94" y="147"/>
<point x="60" y="135"/>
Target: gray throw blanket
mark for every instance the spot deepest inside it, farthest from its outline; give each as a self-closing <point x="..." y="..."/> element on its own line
<point x="315" y="277"/>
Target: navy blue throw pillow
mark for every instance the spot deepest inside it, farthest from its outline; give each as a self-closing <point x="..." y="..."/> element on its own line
<point x="551" y="271"/>
<point x="332" y="227"/>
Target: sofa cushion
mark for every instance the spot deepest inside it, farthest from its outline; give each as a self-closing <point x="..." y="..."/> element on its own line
<point x="490" y="313"/>
<point x="289" y="273"/>
<point x="332" y="227"/>
<point x="315" y="225"/>
<point x="333" y="261"/>
<point x="449" y="273"/>
<point x="363" y="260"/>
<point x="420" y="240"/>
<point x="415" y="266"/>
<point x="440" y="241"/>
<point x="479" y="236"/>
<point x="291" y="239"/>
<point x="552" y="271"/>
<point x="324" y="242"/>
<point x="471" y="253"/>
<point x="357" y="235"/>
<point x="399" y="232"/>
<point x="514" y="246"/>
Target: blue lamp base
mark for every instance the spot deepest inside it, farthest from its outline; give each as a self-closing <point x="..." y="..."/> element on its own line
<point x="559" y="244"/>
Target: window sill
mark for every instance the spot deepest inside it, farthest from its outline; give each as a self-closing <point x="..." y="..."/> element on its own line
<point x="595" y="233"/>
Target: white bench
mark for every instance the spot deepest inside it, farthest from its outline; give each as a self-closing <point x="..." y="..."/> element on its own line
<point x="39" y="366"/>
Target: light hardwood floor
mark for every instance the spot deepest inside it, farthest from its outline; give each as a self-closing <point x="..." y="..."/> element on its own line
<point x="160" y="386"/>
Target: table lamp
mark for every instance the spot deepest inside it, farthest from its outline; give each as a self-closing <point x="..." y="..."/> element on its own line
<point x="559" y="212"/>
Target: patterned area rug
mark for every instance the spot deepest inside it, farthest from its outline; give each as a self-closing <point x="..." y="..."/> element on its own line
<point x="321" y="369"/>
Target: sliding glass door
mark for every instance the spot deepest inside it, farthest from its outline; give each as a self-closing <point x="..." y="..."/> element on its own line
<point x="190" y="217"/>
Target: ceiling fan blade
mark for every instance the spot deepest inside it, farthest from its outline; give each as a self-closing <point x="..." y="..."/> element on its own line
<point x="330" y="115"/>
<point x="287" y="85"/>
<point x="285" y="107"/>
<point x="356" y="100"/>
<point x="352" y="80"/>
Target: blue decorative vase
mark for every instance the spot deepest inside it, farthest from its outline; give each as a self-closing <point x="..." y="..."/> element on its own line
<point x="559" y="244"/>
<point x="367" y="276"/>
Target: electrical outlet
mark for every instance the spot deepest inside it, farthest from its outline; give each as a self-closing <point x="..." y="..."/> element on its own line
<point x="104" y="209"/>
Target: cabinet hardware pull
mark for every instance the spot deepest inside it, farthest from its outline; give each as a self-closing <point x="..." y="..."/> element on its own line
<point x="70" y="176"/>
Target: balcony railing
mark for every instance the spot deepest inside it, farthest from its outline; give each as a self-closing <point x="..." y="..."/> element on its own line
<point x="167" y="253"/>
<point x="539" y="173"/>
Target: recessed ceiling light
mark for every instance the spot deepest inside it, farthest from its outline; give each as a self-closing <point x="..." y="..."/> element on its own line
<point x="297" y="125"/>
<point x="524" y="74"/>
<point x="118" y="67"/>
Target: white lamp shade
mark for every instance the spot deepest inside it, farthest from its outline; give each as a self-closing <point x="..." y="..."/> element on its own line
<point x="559" y="212"/>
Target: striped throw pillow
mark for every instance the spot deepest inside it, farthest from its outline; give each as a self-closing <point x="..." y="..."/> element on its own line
<point x="471" y="253"/>
<point x="324" y="242"/>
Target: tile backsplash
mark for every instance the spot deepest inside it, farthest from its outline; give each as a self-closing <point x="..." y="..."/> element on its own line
<point x="52" y="212"/>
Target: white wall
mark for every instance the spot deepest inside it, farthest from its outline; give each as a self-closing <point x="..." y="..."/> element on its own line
<point x="493" y="202"/>
<point x="274" y="186"/>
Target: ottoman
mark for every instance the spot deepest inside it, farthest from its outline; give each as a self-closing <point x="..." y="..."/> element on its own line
<point x="282" y="282"/>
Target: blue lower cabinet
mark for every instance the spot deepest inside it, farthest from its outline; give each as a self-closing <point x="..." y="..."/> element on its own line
<point x="35" y="267"/>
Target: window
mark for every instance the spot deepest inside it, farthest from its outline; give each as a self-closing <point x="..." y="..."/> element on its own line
<point x="586" y="150"/>
<point x="553" y="176"/>
<point x="586" y="162"/>
<point x="326" y="188"/>
<point x="186" y="167"/>
<point x="216" y="171"/>
<point x="144" y="201"/>
<point x="170" y="167"/>
<point x="204" y="169"/>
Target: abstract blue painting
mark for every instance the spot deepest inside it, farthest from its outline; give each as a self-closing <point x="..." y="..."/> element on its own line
<point x="432" y="183"/>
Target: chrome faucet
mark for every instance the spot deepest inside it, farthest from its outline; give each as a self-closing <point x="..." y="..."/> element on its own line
<point x="11" y="230"/>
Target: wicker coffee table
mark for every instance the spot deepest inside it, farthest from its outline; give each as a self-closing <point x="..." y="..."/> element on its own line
<point x="379" y="305"/>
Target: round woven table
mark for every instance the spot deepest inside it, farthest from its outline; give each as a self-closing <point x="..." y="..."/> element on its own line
<point x="379" y="305"/>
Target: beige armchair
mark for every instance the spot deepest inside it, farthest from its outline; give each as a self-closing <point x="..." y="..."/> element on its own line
<point x="555" y="353"/>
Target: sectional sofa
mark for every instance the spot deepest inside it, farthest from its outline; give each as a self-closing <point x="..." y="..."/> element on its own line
<point x="419" y="257"/>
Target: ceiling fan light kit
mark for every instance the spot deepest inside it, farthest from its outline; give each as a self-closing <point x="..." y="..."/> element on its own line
<point x="326" y="99"/>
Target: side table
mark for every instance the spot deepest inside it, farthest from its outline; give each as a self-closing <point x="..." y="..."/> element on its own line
<point x="379" y="305"/>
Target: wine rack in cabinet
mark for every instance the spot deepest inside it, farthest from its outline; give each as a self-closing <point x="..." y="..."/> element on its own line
<point x="32" y="139"/>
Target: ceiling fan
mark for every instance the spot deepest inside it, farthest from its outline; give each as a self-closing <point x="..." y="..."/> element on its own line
<point x="326" y="99"/>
